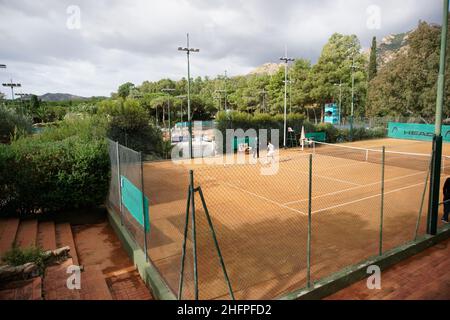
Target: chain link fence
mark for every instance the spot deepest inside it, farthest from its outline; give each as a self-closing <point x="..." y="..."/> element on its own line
<point x="262" y="229"/>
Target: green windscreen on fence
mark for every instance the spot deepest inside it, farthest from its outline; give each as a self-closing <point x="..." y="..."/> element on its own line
<point x="317" y="136"/>
<point x="415" y="131"/>
<point x="132" y="200"/>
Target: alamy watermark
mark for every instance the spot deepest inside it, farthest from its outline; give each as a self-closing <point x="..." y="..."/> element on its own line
<point x="74" y="280"/>
<point x="373" y="17"/>
<point x="73" y="21"/>
<point x="374" y="281"/>
<point x="254" y="147"/>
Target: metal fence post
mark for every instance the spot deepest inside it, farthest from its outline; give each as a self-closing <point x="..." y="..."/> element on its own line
<point x="119" y="180"/>
<point x="143" y="206"/>
<point x="422" y="201"/>
<point x="183" y="253"/>
<point x="308" y="249"/>
<point x="194" y="234"/>
<point x="382" y="200"/>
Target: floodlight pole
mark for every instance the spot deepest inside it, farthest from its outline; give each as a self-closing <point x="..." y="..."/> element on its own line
<point x="12" y="85"/>
<point x="353" y="98"/>
<point x="181" y="106"/>
<point x="226" y="104"/>
<point x="286" y="61"/>
<point x="340" y="100"/>
<point x="433" y="207"/>
<point x="168" y="90"/>
<point x="263" y="93"/>
<point x="188" y="50"/>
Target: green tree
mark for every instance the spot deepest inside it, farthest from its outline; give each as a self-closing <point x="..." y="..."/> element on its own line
<point x="124" y="90"/>
<point x="407" y="85"/>
<point x="373" y="60"/>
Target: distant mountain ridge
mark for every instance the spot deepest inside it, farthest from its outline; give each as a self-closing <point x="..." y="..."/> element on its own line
<point x="60" y="97"/>
<point x="392" y="46"/>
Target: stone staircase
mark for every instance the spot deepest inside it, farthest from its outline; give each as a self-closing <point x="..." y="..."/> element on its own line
<point x="50" y="236"/>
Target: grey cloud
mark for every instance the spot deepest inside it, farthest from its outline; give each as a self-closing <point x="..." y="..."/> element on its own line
<point x="136" y="40"/>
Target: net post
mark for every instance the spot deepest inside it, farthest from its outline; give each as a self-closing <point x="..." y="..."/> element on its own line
<point x="183" y="253"/>
<point x="382" y="200"/>
<point x="216" y="243"/>
<point x="308" y="249"/>
<point x="194" y="233"/>
<point x="119" y="182"/>
<point x="367" y="155"/>
<point x="143" y="206"/>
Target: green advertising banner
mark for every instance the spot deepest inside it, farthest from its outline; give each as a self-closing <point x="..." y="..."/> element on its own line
<point x="415" y="131"/>
<point x="132" y="200"/>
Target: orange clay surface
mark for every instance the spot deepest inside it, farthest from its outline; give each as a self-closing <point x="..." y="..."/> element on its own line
<point x="261" y="220"/>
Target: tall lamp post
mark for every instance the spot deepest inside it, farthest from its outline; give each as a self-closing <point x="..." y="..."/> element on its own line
<point x="168" y="90"/>
<point x="433" y="206"/>
<point x="263" y="93"/>
<point x="286" y="61"/>
<point x="340" y="100"/>
<point x="12" y="85"/>
<point x="188" y="51"/>
<point x="353" y="97"/>
<point x="181" y="106"/>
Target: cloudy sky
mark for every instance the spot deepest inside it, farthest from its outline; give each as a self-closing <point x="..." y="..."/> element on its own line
<point x="91" y="47"/>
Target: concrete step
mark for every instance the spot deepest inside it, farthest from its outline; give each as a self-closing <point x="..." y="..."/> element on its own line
<point x="22" y="290"/>
<point x="55" y="283"/>
<point x="46" y="238"/>
<point x="8" y="230"/>
<point x="27" y="234"/>
<point x="64" y="237"/>
<point x="93" y="284"/>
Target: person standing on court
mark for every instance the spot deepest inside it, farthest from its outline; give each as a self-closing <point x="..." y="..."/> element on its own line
<point x="270" y="152"/>
<point x="446" y="200"/>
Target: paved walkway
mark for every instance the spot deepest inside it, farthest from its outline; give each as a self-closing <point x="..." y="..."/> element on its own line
<point x="98" y="246"/>
<point x="425" y="276"/>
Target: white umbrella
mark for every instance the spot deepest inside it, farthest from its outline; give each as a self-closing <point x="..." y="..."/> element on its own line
<point x="303" y="137"/>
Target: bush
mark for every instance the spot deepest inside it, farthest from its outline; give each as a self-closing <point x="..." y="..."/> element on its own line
<point x="130" y="125"/>
<point x="13" y="124"/>
<point x="54" y="171"/>
<point x="17" y="257"/>
<point x="238" y="120"/>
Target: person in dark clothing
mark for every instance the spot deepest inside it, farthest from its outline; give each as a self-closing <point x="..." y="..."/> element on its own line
<point x="446" y="200"/>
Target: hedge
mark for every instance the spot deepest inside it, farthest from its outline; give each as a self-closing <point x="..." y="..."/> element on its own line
<point x="238" y="120"/>
<point x="53" y="172"/>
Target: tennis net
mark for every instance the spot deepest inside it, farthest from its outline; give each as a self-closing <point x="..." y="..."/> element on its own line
<point x="414" y="161"/>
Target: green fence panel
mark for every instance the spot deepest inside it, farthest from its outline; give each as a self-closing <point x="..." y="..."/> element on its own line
<point x="132" y="200"/>
<point x="415" y="131"/>
<point x="317" y="136"/>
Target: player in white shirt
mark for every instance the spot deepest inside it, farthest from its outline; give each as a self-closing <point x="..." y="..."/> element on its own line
<point x="270" y="152"/>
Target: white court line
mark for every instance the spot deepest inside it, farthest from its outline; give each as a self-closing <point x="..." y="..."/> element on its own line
<point x="328" y="178"/>
<point x="354" y="188"/>
<point x="367" y="198"/>
<point x="264" y="198"/>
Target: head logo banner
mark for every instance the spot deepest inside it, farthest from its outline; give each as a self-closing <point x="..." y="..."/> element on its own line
<point x="415" y="131"/>
<point x="132" y="199"/>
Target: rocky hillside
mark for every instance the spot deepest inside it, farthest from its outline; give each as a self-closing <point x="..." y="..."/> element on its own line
<point x="391" y="46"/>
<point x="268" y="68"/>
<point x="60" y="97"/>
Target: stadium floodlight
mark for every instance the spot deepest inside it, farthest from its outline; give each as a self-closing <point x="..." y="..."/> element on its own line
<point x="286" y="61"/>
<point x="12" y="85"/>
<point x="168" y="90"/>
<point x="188" y="51"/>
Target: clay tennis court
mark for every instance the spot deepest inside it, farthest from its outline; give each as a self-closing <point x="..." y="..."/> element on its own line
<point x="261" y="220"/>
